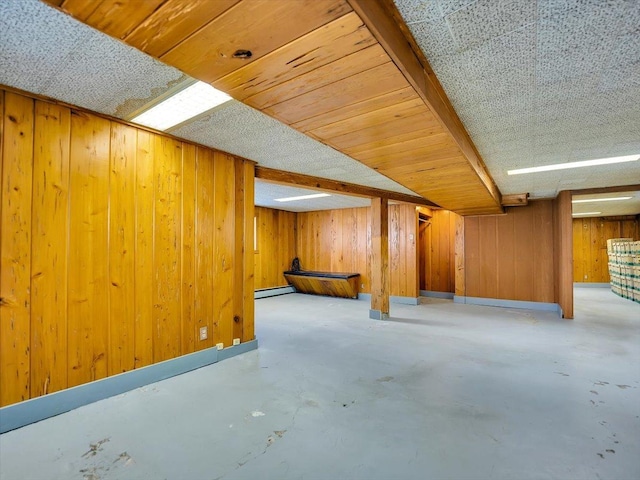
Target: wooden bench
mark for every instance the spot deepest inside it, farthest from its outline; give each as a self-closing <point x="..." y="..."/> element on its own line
<point x="325" y="283"/>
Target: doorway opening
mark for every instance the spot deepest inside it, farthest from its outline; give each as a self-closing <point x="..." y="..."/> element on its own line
<point x="436" y="253"/>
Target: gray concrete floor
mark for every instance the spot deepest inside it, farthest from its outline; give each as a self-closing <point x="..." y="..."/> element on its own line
<point x="441" y="391"/>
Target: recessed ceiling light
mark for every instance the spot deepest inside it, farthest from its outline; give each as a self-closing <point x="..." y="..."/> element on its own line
<point x="586" y="213"/>
<point x="302" y="197"/>
<point x="186" y="104"/>
<point x="591" y="200"/>
<point x="584" y="163"/>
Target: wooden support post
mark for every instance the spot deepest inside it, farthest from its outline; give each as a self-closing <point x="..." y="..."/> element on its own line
<point x="248" y="252"/>
<point x="414" y="248"/>
<point x="563" y="236"/>
<point x="379" y="259"/>
<point x="459" y="282"/>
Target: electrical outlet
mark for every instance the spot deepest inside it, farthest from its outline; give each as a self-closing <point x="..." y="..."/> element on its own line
<point x="236" y="341"/>
<point x="219" y="346"/>
<point x="204" y="333"/>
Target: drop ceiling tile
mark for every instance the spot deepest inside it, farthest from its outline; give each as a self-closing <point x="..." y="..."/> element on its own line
<point x="434" y="39"/>
<point x="620" y="78"/>
<point x="31" y="57"/>
<point x="104" y="67"/>
<point x="503" y="55"/>
<point x="448" y="7"/>
<point x="623" y="65"/>
<point x="487" y="19"/>
<point x="420" y="11"/>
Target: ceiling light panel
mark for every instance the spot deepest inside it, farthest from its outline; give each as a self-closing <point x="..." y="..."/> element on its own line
<point x="188" y="103"/>
<point x="581" y="164"/>
<point x="302" y="197"/>
<point x="594" y="200"/>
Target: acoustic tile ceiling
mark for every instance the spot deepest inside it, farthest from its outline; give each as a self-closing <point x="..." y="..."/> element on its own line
<point x="539" y="82"/>
<point x="46" y="52"/>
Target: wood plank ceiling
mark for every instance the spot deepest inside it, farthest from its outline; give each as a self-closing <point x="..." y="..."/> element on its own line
<point x="316" y="66"/>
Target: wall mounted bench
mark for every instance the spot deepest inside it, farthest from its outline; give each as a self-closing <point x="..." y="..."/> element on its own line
<point x="325" y="283"/>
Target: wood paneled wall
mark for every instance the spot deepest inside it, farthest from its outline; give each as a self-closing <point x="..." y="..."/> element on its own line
<point x="276" y="242"/>
<point x="437" y="252"/>
<point x="590" y="236"/>
<point x="116" y="246"/>
<point x="511" y="256"/>
<point x="340" y="241"/>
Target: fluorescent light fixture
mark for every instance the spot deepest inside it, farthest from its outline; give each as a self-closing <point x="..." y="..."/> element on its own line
<point x="586" y="213"/>
<point x="612" y="199"/>
<point x="186" y="104"/>
<point x="302" y="197"/>
<point x="584" y="163"/>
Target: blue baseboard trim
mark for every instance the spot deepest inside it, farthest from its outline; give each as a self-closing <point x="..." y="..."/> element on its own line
<point x="404" y="300"/>
<point x="433" y="294"/>
<point x="273" y="292"/>
<point x="378" y="315"/>
<point x="392" y="299"/>
<point x="496" y="302"/>
<point x="40" y="408"/>
<point x="591" y="285"/>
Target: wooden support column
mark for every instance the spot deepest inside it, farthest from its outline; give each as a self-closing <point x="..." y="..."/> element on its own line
<point x="460" y="279"/>
<point x="379" y="259"/>
<point x="563" y="239"/>
<point x="248" y="251"/>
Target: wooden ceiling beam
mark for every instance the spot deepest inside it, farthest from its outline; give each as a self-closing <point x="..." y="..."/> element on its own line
<point x="615" y="189"/>
<point x="515" y="200"/>
<point x="317" y="183"/>
<point x="378" y="16"/>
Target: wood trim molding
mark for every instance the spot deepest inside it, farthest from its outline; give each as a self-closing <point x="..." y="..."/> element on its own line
<point x="317" y="183"/>
<point x="378" y="16"/>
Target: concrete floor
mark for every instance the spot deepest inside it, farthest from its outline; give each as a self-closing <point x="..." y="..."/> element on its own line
<point x="441" y="391"/>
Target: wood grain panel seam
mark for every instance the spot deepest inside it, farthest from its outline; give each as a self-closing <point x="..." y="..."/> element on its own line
<point x="343" y="79"/>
